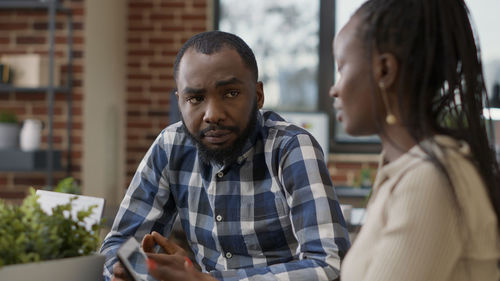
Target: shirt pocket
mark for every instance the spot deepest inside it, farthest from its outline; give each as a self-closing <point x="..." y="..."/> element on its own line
<point x="265" y="227"/>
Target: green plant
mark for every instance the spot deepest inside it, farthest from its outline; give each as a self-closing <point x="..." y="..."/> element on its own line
<point x="7" y="117"/>
<point x="68" y="185"/>
<point x="28" y="234"/>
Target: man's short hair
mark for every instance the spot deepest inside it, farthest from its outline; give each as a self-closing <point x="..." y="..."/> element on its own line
<point x="211" y="42"/>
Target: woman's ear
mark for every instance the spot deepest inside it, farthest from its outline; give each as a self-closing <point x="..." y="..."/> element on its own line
<point x="386" y="69"/>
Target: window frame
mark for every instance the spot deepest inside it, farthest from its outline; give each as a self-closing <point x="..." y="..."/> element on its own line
<point x="325" y="78"/>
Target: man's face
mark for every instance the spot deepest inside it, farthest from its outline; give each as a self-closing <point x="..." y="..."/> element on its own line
<point x="218" y="98"/>
<point x="353" y="89"/>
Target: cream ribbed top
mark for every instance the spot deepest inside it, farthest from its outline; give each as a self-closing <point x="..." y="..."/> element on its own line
<point x="412" y="230"/>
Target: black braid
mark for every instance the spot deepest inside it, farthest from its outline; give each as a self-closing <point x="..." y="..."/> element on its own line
<point x="441" y="80"/>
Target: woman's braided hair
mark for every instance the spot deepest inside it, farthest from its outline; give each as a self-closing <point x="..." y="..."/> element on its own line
<point x="441" y="82"/>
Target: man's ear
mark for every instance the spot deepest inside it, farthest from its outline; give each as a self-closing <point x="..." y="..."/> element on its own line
<point x="386" y="69"/>
<point x="259" y="90"/>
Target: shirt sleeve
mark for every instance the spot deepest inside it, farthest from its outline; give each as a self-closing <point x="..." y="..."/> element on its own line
<point x="421" y="240"/>
<point x="147" y="205"/>
<point x="317" y="221"/>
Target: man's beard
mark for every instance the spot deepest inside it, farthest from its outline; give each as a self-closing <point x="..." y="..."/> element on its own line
<point x="227" y="154"/>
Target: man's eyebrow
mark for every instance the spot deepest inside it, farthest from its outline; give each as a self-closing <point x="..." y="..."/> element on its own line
<point x="229" y="81"/>
<point x="193" y="91"/>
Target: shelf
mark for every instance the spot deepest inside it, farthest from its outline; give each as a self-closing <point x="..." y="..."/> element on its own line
<point x="15" y="160"/>
<point x="14" y="89"/>
<point x="30" y="4"/>
<point x="353" y="192"/>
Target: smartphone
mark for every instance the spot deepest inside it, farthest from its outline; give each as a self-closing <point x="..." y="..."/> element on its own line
<point x="133" y="259"/>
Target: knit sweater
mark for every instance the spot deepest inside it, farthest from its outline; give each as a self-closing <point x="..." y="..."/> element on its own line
<point x="418" y="227"/>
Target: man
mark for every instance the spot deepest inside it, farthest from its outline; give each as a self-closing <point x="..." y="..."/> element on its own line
<point x="252" y="192"/>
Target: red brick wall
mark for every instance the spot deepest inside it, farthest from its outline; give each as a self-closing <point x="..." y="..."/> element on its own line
<point x="25" y="31"/>
<point x="156" y="30"/>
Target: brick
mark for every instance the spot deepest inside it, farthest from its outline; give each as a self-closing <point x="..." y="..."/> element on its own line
<point x="13" y="26"/>
<point x="140" y="5"/>
<point x="170" y="4"/>
<point x="30" y="40"/>
<point x="30" y="180"/>
<point x="172" y="28"/>
<point x="141" y="28"/>
<point x="160" y="89"/>
<point x="139" y="76"/>
<point x="138" y="101"/>
<point x="162" y="16"/>
<point x="161" y="41"/>
<point x="141" y="52"/>
<point x="45" y="25"/>
<point x="139" y="124"/>
<point x="135" y="40"/>
<point x="77" y="12"/>
<point x="43" y="110"/>
<point x="12" y="195"/>
<point x="30" y="96"/>
<point x="158" y="113"/>
<point x="193" y="17"/>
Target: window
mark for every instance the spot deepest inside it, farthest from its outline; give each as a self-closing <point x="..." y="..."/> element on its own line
<point x="292" y="43"/>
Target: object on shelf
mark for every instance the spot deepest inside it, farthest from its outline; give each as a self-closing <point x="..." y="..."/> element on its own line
<point x="17" y="160"/>
<point x="30" y="136"/>
<point x="30" y="70"/>
<point x="5" y="74"/>
<point x="9" y="130"/>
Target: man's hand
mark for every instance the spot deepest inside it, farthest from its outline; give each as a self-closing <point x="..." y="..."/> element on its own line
<point x="119" y="273"/>
<point x="174" y="267"/>
<point x="174" y="264"/>
<point x="150" y="240"/>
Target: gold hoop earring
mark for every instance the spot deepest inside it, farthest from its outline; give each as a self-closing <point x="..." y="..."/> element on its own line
<point x="390" y="118"/>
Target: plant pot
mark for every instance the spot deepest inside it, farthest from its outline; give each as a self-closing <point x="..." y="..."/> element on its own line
<point x="9" y="135"/>
<point x="74" y="269"/>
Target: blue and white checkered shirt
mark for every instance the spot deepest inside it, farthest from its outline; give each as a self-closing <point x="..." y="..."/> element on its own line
<point x="272" y="215"/>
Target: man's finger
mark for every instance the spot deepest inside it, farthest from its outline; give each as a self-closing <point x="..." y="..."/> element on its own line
<point x="148" y="243"/>
<point x="119" y="272"/>
<point x="162" y="259"/>
<point x="169" y="246"/>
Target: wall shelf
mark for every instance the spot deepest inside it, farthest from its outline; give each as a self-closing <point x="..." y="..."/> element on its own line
<point x="51" y="158"/>
<point x="31" y="4"/>
<point x="354" y="192"/>
<point x="12" y="89"/>
<point x="15" y="160"/>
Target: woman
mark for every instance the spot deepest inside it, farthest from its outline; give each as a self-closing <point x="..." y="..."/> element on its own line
<point x="410" y="72"/>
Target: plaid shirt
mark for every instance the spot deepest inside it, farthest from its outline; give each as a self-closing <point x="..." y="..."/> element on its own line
<point x="271" y="215"/>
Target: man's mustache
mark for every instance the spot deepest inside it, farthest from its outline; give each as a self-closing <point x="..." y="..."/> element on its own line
<point x="217" y="127"/>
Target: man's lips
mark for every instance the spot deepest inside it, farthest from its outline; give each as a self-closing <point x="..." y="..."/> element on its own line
<point x="217" y="136"/>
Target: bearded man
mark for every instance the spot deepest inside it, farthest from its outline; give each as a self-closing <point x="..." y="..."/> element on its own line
<point x="252" y="192"/>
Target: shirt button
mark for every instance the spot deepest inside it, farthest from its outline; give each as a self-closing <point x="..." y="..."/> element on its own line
<point x="229" y="255"/>
<point x="220" y="174"/>
<point x="218" y="218"/>
<point x="240" y="159"/>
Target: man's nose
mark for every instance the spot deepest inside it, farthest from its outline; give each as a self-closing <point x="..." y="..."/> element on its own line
<point x="214" y="112"/>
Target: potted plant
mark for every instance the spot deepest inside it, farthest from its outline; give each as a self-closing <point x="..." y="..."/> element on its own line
<point x="37" y="246"/>
<point x="9" y="130"/>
